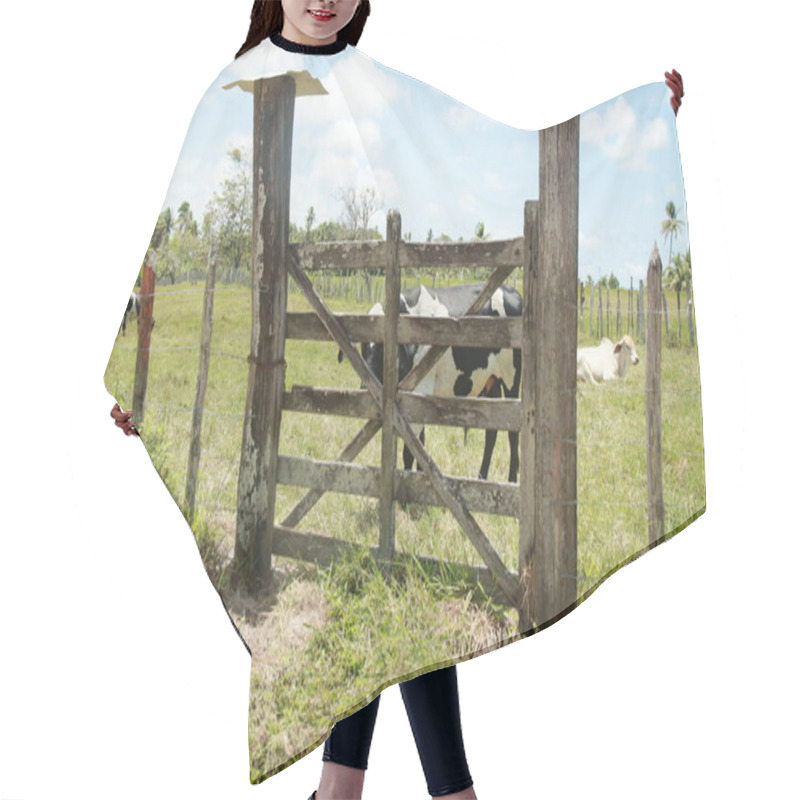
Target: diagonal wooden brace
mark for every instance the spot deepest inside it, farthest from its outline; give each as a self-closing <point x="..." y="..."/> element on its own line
<point x="403" y="427"/>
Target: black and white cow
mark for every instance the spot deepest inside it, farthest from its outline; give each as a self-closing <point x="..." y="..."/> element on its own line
<point x="462" y="371"/>
<point x="133" y="309"/>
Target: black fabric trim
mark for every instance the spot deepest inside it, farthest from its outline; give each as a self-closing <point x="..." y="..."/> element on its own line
<point x="308" y="49"/>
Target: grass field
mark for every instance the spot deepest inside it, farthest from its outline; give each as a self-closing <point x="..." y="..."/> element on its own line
<point x="377" y="628"/>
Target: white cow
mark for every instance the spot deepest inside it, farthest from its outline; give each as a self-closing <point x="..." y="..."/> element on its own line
<point x="607" y="361"/>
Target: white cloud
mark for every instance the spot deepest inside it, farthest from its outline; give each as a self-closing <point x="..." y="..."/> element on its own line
<point x="460" y="116"/>
<point x="622" y="136"/>
<point x="368" y="87"/>
<point x="493" y="181"/>
<point x="589" y="243"/>
<point x="468" y="203"/>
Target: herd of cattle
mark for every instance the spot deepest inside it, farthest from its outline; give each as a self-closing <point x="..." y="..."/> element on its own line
<point x="483" y="372"/>
<point x="472" y="371"/>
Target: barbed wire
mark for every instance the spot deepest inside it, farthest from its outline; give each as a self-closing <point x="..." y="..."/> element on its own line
<point x="218" y="289"/>
<point x="178" y="348"/>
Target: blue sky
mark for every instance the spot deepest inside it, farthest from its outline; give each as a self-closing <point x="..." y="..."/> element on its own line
<point x="445" y="166"/>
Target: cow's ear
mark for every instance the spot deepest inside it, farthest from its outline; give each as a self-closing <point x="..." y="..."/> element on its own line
<point x="617" y="347"/>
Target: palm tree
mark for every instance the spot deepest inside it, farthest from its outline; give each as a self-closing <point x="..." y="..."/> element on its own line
<point x="678" y="276"/>
<point x="186" y="222"/>
<point x="671" y="226"/>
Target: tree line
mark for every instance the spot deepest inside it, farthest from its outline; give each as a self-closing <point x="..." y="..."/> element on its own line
<point x="182" y="245"/>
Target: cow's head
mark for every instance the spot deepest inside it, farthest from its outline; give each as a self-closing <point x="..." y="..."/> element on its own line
<point x="626" y="354"/>
<point x="372" y="353"/>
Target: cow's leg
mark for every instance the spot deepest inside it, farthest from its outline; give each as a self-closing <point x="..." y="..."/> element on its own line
<point x="491" y="435"/>
<point x="513" y="436"/>
<point x="513" y="466"/>
<point x="488" y="448"/>
<point x="408" y="456"/>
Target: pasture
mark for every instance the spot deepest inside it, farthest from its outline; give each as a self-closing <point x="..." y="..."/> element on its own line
<point x="322" y="609"/>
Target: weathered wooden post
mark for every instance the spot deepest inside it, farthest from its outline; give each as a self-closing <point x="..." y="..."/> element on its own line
<point x="655" y="491"/>
<point x="600" y="329"/>
<point x="145" y="326"/>
<point x="202" y="383"/>
<point x="548" y="480"/>
<point x="390" y="377"/>
<point x="641" y="330"/>
<point x="273" y="121"/>
<point x="630" y="309"/>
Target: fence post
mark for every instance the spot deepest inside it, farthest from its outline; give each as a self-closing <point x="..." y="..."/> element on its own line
<point x="145" y="325"/>
<point x="600" y="328"/>
<point x="527" y="433"/>
<point x="641" y="331"/>
<point x="549" y="548"/>
<point x="202" y="383"/>
<point x="630" y="309"/>
<point x="591" y="310"/>
<point x="655" y="491"/>
<point x="273" y="119"/>
<point x="390" y="374"/>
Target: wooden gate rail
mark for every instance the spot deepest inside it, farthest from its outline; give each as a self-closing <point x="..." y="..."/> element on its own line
<point x="326" y="256"/>
<point x="410" y="487"/>
<point x="502" y="332"/>
<point x="472" y="412"/>
<point x="324" y="551"/>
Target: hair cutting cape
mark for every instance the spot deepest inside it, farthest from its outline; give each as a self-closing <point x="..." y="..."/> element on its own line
<point x="310" y="186"/>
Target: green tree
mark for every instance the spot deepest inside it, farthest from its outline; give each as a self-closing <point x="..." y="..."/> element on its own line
<point x="678" y="276"/>
<point x="185" y="252"/>
<point x="229" y="214"/>
<point x="186" y="222"/>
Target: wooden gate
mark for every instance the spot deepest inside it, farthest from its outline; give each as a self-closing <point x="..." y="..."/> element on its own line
<point x="545" y="584"/>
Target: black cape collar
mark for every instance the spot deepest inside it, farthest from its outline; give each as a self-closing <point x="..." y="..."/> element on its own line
<point x="308" y="49"/>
